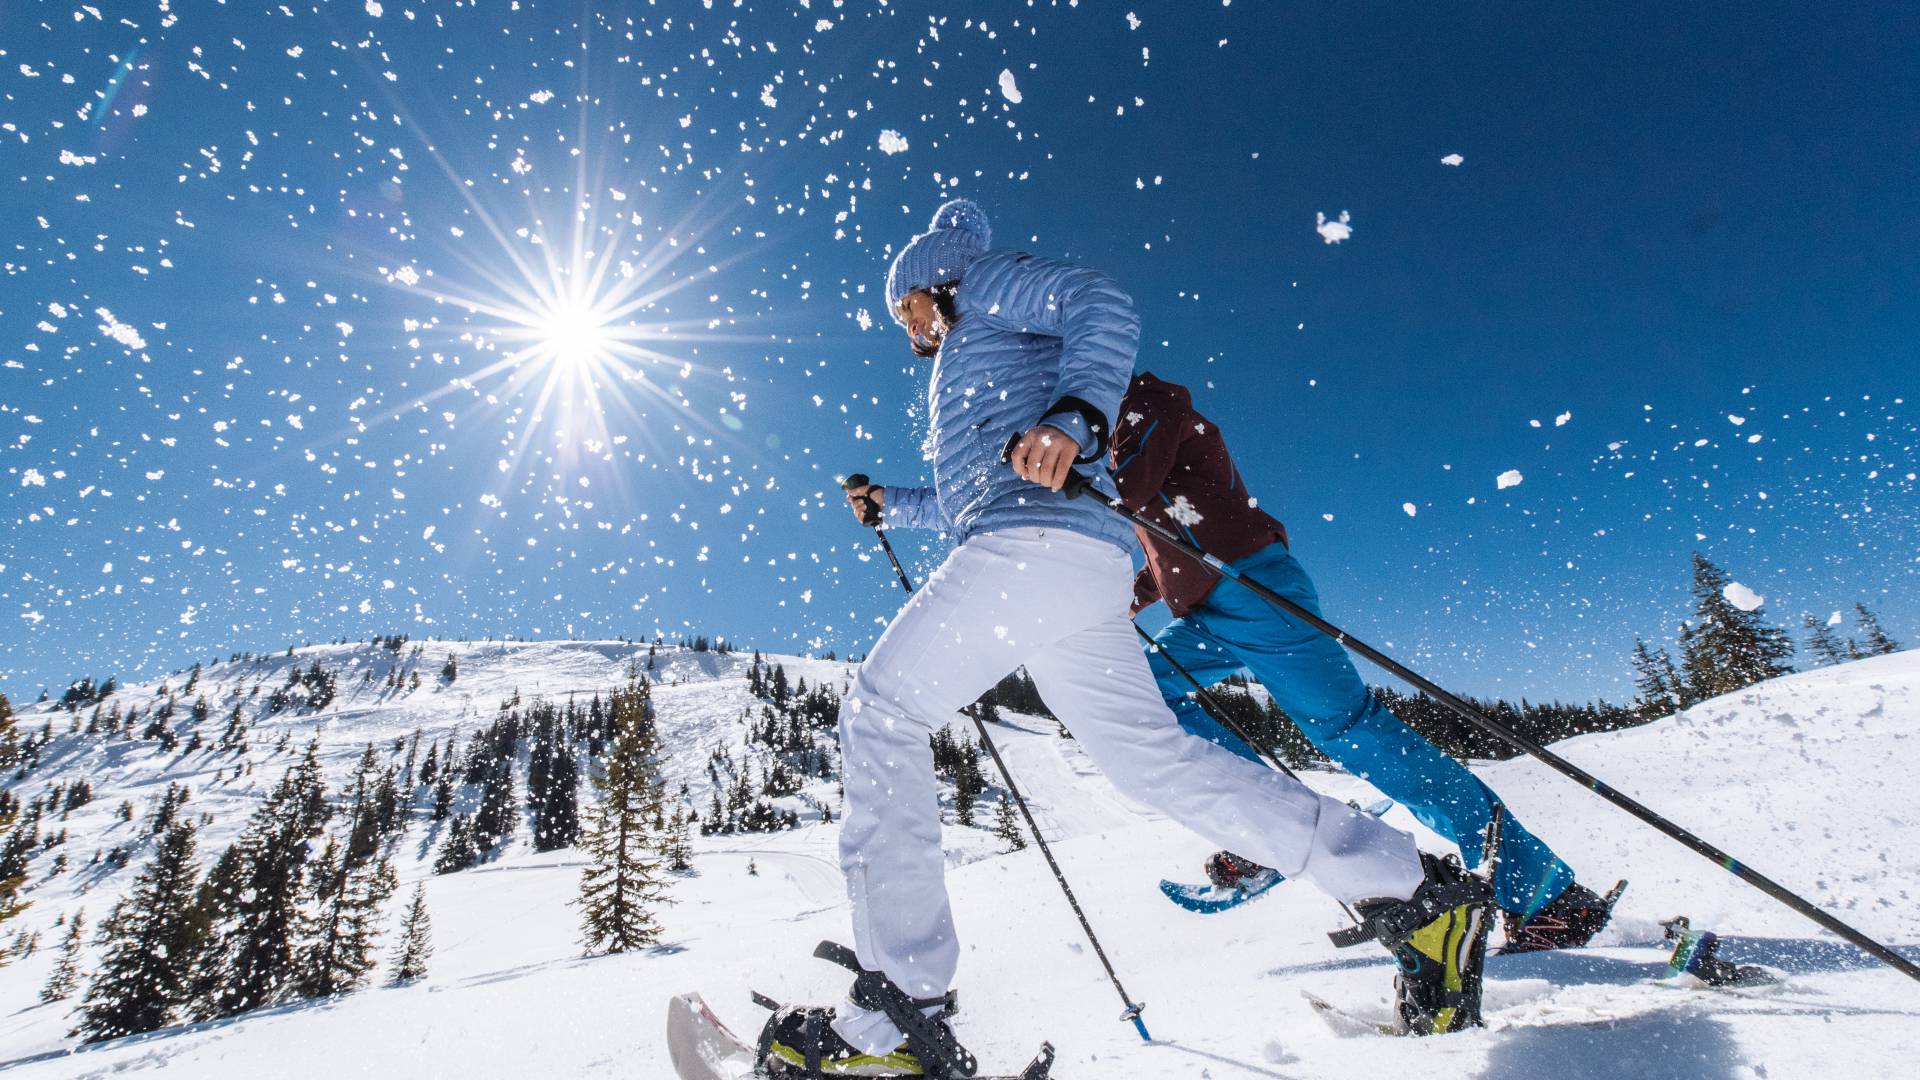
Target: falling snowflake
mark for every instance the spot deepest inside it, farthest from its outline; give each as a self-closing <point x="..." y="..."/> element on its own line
<point x="1452" y="159"/>
<point x="892" y="142"/>
<point x="1742" y="597"/>
<point x="1410" y="509"/>
<point x="1510" y="478"/>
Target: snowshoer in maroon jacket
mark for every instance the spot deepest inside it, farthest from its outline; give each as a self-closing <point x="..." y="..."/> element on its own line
<point x="1171" y="463"/>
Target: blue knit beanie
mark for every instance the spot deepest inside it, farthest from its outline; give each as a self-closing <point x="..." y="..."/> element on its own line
<point x="958" y="235"/>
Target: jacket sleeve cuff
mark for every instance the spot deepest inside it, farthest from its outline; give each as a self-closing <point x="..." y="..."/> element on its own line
<point x="1085" y="424"/>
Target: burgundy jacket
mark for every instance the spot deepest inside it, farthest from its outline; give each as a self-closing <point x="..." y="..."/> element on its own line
<point x="1170" y="462"/>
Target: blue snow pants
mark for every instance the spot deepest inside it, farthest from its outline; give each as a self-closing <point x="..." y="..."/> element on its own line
<point x="1311" y="677"/>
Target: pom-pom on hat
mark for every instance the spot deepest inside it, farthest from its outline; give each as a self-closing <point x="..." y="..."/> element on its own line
<point x="957" y="236"/>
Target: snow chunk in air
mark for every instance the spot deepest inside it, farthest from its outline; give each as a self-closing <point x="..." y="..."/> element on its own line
<point x="892" y="142"/>
<point x="1334" y="231"/>
<point x="1510" y="478"/>
<point x="1008" y="88"/>
<point x="1452" y="159"/>
<point x="1742" y="597"/>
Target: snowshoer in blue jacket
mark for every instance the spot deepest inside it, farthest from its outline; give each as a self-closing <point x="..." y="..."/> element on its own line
<point x="1035" y="354"/>
<point x="1171" y="463"/>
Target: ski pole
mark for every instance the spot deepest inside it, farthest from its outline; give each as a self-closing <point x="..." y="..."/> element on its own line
<point x="870" y="517"/>
<point x="1133" y="1008"/>
<point x="1078" y="484"/>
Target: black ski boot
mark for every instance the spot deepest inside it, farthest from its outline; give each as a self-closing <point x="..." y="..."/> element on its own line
<point x="1569" y="921"/>
<point x="1439" y="938"/>
<point x="1227" y="870"/>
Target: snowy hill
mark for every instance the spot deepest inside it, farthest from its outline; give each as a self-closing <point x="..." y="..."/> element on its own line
<point x="1804" y="777"/>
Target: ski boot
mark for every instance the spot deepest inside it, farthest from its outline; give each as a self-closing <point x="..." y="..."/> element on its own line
<point x="1569" y="921"/>
<point x="1439" y="939"/>
<point x="1227" y="871"/>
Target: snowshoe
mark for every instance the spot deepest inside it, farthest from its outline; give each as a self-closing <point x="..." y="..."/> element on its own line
<point x="1439" y="939"/>
<point x="1569" y="921"/>
<point x="1697" y="953"/>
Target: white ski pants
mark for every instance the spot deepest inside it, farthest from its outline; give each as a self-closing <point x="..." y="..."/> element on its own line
<point x="1055" y="601"/>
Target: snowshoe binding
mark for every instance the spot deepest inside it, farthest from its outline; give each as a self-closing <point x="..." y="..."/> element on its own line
<point x="1228" y="871"/>
<point x="1439" y="939"/>
<point x="799" y="1040"/>
<point x="1569" y="921"/>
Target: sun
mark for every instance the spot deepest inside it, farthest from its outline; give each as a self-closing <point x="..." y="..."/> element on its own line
<point x="571" y="334"/>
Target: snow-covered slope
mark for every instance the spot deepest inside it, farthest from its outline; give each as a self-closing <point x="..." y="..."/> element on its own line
<point x="1804" y="778"/>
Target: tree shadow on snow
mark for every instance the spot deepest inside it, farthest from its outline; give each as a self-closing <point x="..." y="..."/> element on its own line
<point x="1674" y="1044"/>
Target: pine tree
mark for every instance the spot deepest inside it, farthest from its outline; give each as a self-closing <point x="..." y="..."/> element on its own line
<point x="260" y="911"/>
<point x="624" y="881"/>
<point x="457" y="851"/>
<point x="10" y="903"/>
<point x="1877" y="642"/>
<point x="151" y="944"/>
<point x="416" y="940"/>
<point x="9" y="736"/>
<point x="1821" y="642"/>
<point x="443" y="796"/>
<point x="337" y="951"/>
<point x="559" y="824"/>
<point x="1727" y="649"/>
<point x="499" y="811"/>
<point x="1006" y="824"/>
<point x="65" y="978"/>
<point x="1656" y="681"/>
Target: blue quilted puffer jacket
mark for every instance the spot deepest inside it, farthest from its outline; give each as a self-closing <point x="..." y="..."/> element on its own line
<point x="1037" y="340"/>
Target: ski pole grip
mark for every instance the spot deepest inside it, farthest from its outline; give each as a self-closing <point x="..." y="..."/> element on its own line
<point x="869" y="511"/>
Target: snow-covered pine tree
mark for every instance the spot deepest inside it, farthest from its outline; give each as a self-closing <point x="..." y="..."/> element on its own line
<point x="1822" y="644"/>
<point x="1727" y="649"/>
<point x="151" y="942"/>
<point x="1006" y="824"/>
<point x="65" y="977"/>
<point x="624" y="880"/>
<point x="260" y="918"/>
<point x="337" y="949"/>
<point x="416" y="940"/>
<point x="1874" y="640"/>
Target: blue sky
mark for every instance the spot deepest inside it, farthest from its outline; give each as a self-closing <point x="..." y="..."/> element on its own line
<point x="344" y="388"/>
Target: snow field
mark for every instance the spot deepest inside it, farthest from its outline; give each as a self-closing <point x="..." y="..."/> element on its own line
<point x="1803" y="777"/>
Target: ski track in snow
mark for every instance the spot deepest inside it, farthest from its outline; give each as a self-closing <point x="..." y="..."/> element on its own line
<point x="1806" y="777"/>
